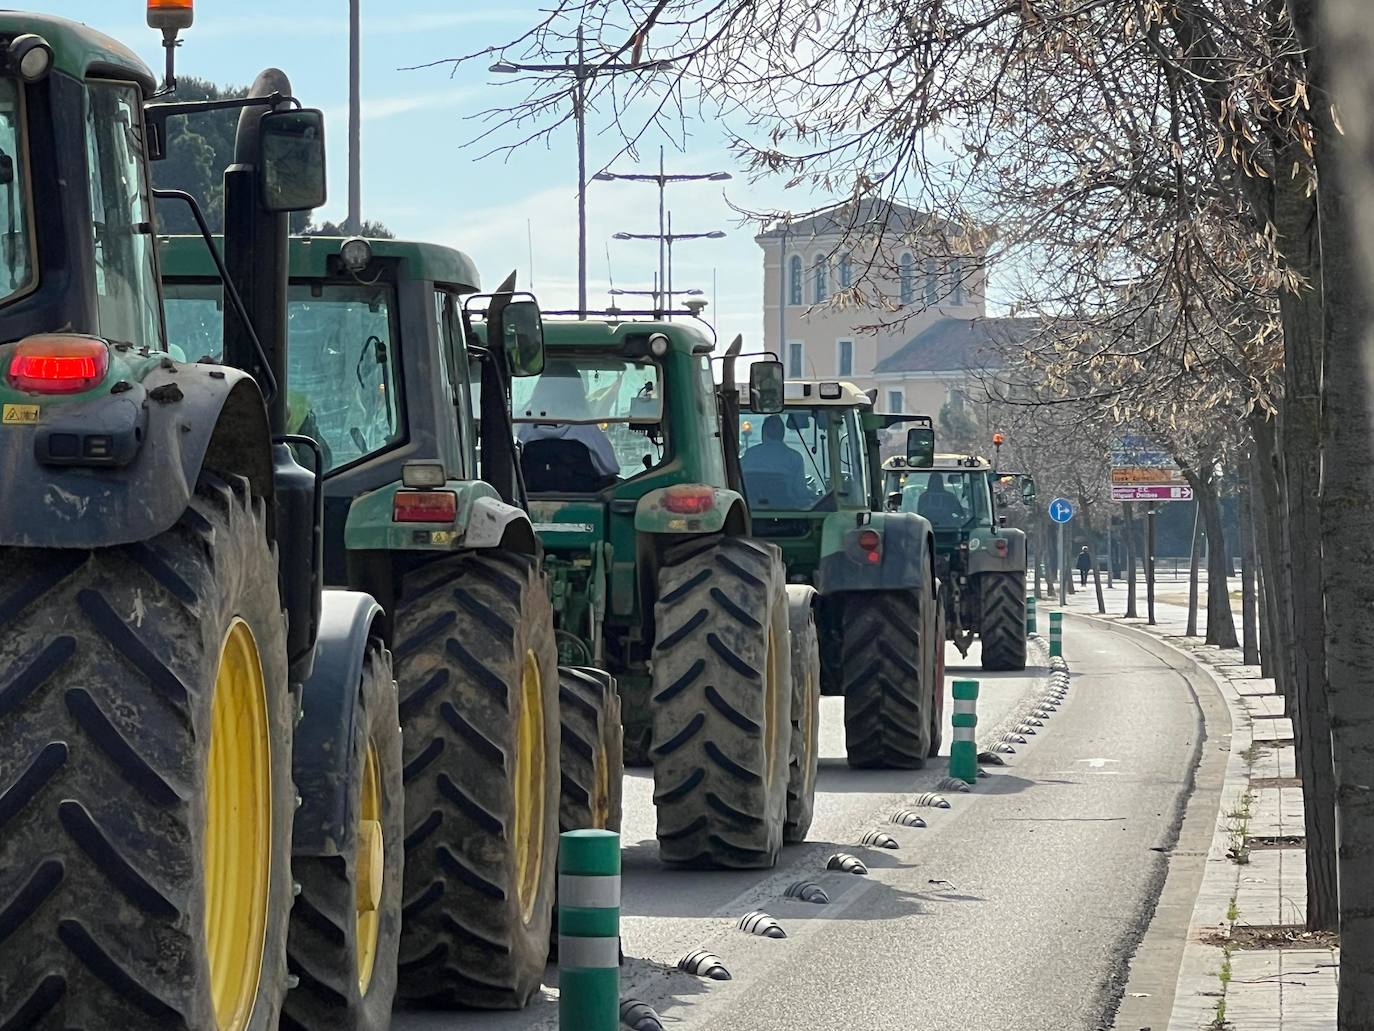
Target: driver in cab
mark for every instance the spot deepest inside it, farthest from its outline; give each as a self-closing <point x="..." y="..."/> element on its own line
<point x="938" y="504"/>
<point x="561" y="395"/>
<point x="770" y="467"/>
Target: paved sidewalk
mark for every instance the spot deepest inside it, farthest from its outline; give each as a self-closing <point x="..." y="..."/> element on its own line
<point x="1254" y="884"/>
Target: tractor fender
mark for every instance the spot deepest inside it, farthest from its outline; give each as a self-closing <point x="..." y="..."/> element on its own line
<point x="985" y="557"/>
<point x="324" y="736"/>
<point x="719" y="509"/>
<point x="180" y="419"/>
<point x="904" y="545"/>
<point x="481" y="520"/>
<point x="800" y="597"/>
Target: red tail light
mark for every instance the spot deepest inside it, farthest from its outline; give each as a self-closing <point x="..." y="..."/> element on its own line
<point x="1001" y="545"/>
<point x="869" y="541"/>
<point x="424" y="506"/>
<point x="58" y="364"/>
<point x="689" y="500"/>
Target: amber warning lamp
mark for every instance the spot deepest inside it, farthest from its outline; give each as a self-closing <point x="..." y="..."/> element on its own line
<point x="170" y="16"/>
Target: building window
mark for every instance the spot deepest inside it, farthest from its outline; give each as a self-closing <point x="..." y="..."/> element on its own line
<point x="932" y="281"/>
<point x="794" y="279"/>
<point x="794" y="359"/>
<point x="956" y="281"/>
<point x="846" y="272"/>
<point x="844" y="358"/>
<point x="896" y="403"/>
<point x="821" y="287"/>
<point x="908" y="278"/>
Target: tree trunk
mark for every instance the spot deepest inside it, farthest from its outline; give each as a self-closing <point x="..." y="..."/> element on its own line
<point x="1194" y="562"/>
<point x="1097" y="580"/>
<point x="1128" y="515"/>
<point x="1150" y="564"/>
<point x="1249" y="632"/>
<point x="1221" y="623"/>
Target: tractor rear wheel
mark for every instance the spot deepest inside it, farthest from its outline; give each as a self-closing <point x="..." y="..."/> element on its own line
<point x="478" y="678"/>
<point x="592" y="770"/>
<point x="887" y="697"/>
<point x="1002" y="623"/>
<point x="806" y="718"/>
<point x="146" y="800"/>
<point x="721" y="703"/>
<point x="346" y="924"/>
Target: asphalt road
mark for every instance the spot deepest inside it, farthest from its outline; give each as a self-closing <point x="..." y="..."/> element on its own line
<point x="1017" y="909"/>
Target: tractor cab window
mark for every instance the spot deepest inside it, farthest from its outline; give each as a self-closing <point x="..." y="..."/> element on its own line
<point x="588" y="421"/>
<point x="950" y="498"/>
<point x="342" y="384"/>
<point x="16" y="224"/>
<point x="125" y="275"/>
<point x="803" y="459"/>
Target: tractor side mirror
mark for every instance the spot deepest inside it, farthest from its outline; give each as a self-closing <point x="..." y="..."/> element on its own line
<point x="1028" y="489"/>
<point x="766" y="380"/>
<point x="920" y="447"/>
<point x="291" y="160"/>
<point x="522" y="331"/>
<point x="894" y="501"/>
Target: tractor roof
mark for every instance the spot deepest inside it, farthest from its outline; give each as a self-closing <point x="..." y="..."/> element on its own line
<point x="943" y="463"/>
<point x="812" y="393"/>
<point x="78" y="50"/>
<point x="187" y="257"/>
<point x="618" y="337"/>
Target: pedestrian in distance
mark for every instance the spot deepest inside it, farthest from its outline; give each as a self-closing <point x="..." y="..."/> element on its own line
<point x="1084" y="563"/>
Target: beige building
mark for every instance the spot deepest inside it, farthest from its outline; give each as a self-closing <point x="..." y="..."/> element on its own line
<point x="856" y="265"/>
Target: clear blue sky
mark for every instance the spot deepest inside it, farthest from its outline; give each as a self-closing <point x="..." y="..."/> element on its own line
<point x="418" y="175"/>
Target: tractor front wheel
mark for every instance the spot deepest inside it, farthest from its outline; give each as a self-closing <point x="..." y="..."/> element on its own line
<point x="593" y="772"/>
<point x="146" y="800"/>
<point x="721" y="701"/>
<point x="478" y="677"/>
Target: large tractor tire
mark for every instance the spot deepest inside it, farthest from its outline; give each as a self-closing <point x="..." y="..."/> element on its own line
<point x="887" y="696"/>
<point x="806" y="716"/>
<point x="346" y="924"/>
<point x="478" y="678"/>
<point x="721" y="702"/>
<point x="592" y="770"/>
<point x="937" y="694"/>
<point x="146" y="801"/>
<point x="1002" y="623"/>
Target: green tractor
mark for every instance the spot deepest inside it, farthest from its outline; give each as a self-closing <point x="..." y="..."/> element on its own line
<point x="812" y="478"/>
<point x="189" y="722"/>
<point x="390" y="371"/>
<point x="981" y="558"/>
<point x="654" y="576"/>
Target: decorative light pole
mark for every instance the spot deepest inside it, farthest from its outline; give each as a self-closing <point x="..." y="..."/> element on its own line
<point x="582" y="72"/>
<point x="662" y="179"/>
<point x="666" y="240"/>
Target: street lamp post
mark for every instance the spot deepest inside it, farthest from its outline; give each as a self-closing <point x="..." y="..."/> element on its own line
<point x="582" y="72"/>
<point x="666" y="240"/>
<point x="662" y="179"/>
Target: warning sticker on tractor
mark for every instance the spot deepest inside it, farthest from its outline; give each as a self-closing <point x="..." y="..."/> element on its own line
<point x="21" y="415"/>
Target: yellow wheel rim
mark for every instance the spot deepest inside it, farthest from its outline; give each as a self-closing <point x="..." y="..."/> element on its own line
<point x="810" y="729"/>
<point x="370" y="866"/>
<point x="238" y="830"/>
<point x="773" y="732"/>
<point x="528" y="830"/>
<point x="601" y="789"/>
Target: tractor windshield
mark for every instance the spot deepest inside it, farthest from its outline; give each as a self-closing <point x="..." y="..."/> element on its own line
<point x="342" y="367"/>
<point x="16" y="231"/>
<point x="608" y="407"/>
<point x="803" y="459"/>
<point x="951" y="499"/>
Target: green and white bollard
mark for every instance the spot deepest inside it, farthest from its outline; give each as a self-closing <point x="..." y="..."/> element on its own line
<point x="963" y="750"/>
<point x="589" y="930"/>
<point x="1030" y="616"/>
<point x="1056" y="634"/>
